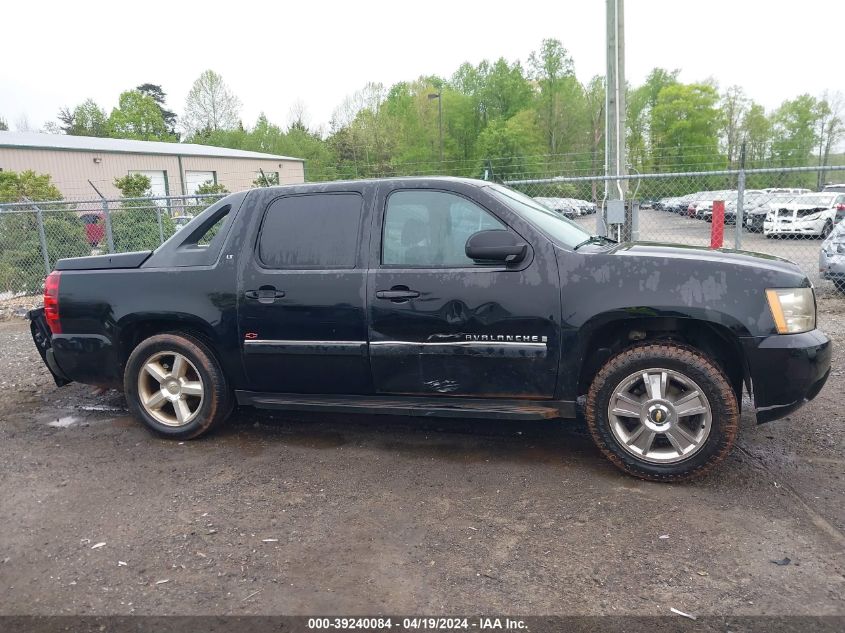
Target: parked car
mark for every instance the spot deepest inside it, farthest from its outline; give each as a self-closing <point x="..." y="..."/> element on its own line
<point x="832" y="257"/>
<point x="808" y="215"/>
<point x="94" y="227"/>
<point x="560" y="205"/>
<point x="754" y="216"/>
<point x="438" y="297"/>
<point x="834" y="188"/>
<point x="794" y="190"/>
<point x="703" y="202"/>
<point x="180" y="221"/>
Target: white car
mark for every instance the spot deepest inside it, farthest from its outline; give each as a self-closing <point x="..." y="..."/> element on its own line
<point x="810" y="214"/>
<point x="832" y="257"/>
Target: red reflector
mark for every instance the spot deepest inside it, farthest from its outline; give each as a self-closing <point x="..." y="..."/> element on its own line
<point x="51" y="302"/>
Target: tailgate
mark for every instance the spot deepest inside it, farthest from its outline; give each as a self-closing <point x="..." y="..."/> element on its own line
<point x="41" y="336"/>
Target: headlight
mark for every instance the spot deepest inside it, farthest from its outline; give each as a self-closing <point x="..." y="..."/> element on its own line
<point x="813" y="217"/>
<point x="793" y="309"/>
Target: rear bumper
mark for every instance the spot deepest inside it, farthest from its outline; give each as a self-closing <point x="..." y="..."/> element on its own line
<point x="786" y="371"/>
<point x="86" y="358"/>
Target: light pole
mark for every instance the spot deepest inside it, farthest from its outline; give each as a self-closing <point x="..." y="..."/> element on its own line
<point x="439" y="96"/>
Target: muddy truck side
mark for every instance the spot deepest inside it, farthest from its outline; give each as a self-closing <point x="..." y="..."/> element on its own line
<point x="439" y="297"/>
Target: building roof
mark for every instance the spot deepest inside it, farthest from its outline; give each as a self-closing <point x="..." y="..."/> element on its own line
<point x="34" y="140"/>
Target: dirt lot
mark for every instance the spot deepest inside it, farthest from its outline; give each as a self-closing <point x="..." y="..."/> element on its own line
<point x="313" y="514"/>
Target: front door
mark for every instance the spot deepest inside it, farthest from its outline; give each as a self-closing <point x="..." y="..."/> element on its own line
<point x="443" y="324"/>
<point x="301" y="296"/>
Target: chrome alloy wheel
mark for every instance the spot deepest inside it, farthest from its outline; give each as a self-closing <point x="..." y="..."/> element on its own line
<point x="170" y="389"/>
<point x="660" y="416"/>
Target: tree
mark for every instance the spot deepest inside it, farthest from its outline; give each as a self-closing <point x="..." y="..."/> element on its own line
<point x="794" y="131"/>
<point x="757" y="133"/>
<point x="831" y="127"/>
<point x="3" y="125"/>
<point x="86" y="119"/>
<point x="596" y="93"/>
<point x="552" y="68"/>
<point x="139" y="225"/>
<point x="211" y="105"/>
<point x="507" y="143"/>
<point x="685" y="126"/>
<point x="138" y="117"/>
<point x="158" y="95"/>
<point x="21" y="258"/>
<point x="640" y="105"/>
<point x="734" y="105"/>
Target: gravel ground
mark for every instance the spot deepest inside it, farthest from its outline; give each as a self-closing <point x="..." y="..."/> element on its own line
<point x="324" y="514"/>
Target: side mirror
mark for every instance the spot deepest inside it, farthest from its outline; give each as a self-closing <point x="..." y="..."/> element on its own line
<point x="496" y="245"/>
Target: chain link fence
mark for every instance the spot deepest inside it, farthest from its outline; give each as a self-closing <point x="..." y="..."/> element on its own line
<point x="34" y="235"/>
<point x="775" y="211"/>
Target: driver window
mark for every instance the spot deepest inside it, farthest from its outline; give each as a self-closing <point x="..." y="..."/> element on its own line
<point x="429" y="229"/>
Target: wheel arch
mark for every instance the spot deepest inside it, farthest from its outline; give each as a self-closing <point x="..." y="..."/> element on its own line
<point x="715" y="340"/>
<point x="133" y="331"/>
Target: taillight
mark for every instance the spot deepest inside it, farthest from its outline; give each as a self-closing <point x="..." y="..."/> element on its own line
<point x="51" y="302"/>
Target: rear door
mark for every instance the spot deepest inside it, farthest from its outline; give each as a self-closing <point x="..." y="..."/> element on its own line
<point x="442" y="324"/>
<point x="302" y="290"/>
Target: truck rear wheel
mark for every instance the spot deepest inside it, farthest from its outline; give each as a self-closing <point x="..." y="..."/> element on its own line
<point x="176" y="387"/>
<point x="662" y="411"/>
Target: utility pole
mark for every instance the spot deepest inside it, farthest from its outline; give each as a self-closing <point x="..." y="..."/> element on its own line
<point x="615" y="127"/>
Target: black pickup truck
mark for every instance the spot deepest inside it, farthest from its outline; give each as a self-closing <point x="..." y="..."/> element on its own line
<point x="439" y="297"/>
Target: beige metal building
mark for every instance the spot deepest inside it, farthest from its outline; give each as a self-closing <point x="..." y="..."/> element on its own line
<point x="173" y="168"/>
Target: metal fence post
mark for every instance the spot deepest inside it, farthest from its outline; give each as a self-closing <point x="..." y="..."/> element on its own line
<point x="740" y="199"/>
<point x="635" y="221"/>
<point x="106" y="218"/>
<point x="42" y="236"/>
<point x="160" y="226"/>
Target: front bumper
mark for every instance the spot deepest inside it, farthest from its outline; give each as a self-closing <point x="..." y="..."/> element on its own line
<point x="794" y="228"/>
<point x="831" y="265"/>
<point x="786" y="371"/>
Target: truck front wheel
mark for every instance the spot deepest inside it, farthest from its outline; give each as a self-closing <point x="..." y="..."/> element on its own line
<point x="662" y="411"/>
<point x="175" y="386"/>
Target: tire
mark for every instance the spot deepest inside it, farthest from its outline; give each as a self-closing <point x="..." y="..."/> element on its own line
<point x="663" y="450"/>
<point x="826" y="230"/>
<point x="156" y="384"/>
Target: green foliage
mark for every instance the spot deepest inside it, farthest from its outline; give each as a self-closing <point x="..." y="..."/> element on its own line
<point x="86" y="119"/>
<point x="488" y="109"/>
<point x="21" y="260"/>
<point x="17" y="187"/>
<point x="139" y="117"/>
<point x="133" y="185"/>
<point x="158" y="95"/>
<point x="209" y="187"/>
<point x="4" y="127"/>
<point x="684" y="127"/>
<point x="139" y="225"/>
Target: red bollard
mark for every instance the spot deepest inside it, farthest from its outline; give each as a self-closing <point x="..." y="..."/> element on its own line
<point x="717" y="232"/>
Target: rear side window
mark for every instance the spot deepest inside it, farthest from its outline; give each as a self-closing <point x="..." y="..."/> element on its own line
<point x="311" y="231"/>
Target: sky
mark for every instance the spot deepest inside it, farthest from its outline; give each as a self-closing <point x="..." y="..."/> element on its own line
<point x="274" y="55"/>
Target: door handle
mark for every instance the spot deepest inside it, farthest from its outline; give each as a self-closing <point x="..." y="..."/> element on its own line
<point x="265" y="294"/>
<point x="398" y="294"/>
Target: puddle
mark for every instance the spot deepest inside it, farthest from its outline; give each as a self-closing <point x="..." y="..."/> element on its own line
<point x="102" y="407"/>
<point x="65" y="422"/>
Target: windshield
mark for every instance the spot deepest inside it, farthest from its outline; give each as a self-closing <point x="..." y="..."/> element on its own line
<point x="815" y="199"/>
<point x="557" y="227"/>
